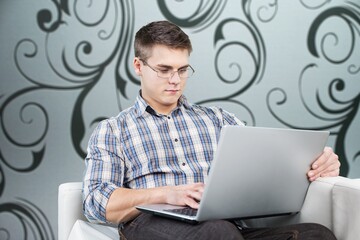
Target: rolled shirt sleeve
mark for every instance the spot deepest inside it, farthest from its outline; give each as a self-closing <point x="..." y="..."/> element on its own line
<point x="104" y="171"/>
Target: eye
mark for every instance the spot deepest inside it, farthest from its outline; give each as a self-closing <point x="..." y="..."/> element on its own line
<point x="164" y="71"/>
<point x="183" y="70"/>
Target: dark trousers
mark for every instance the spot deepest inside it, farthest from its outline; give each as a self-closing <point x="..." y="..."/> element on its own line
<point x="147" y="226"/>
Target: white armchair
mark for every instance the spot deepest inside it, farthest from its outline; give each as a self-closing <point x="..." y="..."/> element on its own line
<point x="333" y="202"/>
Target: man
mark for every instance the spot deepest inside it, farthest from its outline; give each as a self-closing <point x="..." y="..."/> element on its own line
<point x="160" y="150"/>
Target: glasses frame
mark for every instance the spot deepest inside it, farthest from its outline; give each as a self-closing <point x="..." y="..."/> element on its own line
<point x="172" y="74"/>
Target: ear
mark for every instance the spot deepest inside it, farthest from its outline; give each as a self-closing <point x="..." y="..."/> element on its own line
<point x="137" y="66"/>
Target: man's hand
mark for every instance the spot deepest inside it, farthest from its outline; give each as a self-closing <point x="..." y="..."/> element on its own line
<point x="122" y="202"/>
<point x="327" y="165"/>
<point x="189" y="195"/>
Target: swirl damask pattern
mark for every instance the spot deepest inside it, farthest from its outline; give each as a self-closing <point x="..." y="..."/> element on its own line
<point x="66" y="66"/>
<point x="118" y="15"/>
<point x="251" y="51"/>
<point x="101" y="34"/>
<point x="28" y="220"/>
<point x="198" y="17"/>
<point x="336" y="100"/>
<point x="77" y="68"/>
<point x="311" y="4"/>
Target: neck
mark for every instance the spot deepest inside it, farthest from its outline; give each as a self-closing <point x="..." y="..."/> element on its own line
<point x="164" y="110"/>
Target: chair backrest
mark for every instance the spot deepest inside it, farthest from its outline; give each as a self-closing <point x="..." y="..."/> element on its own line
<point x="69" y="208"/>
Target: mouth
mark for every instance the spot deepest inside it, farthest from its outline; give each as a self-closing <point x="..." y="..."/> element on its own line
<point x="172" y="90"/>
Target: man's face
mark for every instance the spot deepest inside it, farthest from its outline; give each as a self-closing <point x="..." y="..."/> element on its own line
<point x="162" y="94"/>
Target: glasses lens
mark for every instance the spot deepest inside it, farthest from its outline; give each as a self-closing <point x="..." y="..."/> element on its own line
<point x="164" y="73"/>
<point x="183" y="73"/>
<point x="186" y="72"/>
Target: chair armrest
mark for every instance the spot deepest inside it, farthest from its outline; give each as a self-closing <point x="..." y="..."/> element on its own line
<point x="332" y="202"/>
<point x="91" y="231"/>
<point x="69" y="207"/>
<point x="346" y="209"/>
<point x="317" y="207"/>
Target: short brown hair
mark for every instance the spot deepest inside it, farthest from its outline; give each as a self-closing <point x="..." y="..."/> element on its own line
<point x="162" y="33"/>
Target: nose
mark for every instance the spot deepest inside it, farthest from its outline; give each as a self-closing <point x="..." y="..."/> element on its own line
<point x="175" y="78"/>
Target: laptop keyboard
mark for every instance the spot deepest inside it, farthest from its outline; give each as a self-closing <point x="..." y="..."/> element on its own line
<point x="184" y="211"/>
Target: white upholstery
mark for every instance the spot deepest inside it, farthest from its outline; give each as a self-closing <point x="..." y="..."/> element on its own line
<point x="88" y="231"/>
<point x="69" y="207"/>
<point x="318" y="203"/>
<point x="333" y="202"/>
<point x="346" y="209"/>
<point x="72" y="224"/>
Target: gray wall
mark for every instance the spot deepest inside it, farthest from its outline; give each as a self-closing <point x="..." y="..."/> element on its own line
<point x="65" y="65"/>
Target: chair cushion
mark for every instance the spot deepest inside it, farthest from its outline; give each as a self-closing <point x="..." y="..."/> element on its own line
<point x="346" y="208"/>
<point x="90" y="231"/>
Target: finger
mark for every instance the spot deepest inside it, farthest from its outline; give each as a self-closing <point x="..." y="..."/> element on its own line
<point x="332" y="170"/>
<point x="322" y="159"/>
<point x="197" y="187"/>
<point x="192" y="203"/>
<point x="313" y="177"/>
<point x="316" y="172"/>
<point x="332" y="173"/>
<point x="195" y="195"/>
<point x="328" y="160"/>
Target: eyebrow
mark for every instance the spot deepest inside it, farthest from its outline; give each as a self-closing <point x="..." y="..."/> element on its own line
<point x="171" y="67"/>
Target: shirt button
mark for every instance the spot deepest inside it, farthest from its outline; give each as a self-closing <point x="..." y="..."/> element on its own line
<point x="168" y="117"/>
<point x="176" y="140"/>
<point x="183" y="164"/>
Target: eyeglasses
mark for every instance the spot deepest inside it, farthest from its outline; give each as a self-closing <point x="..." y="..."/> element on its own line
<point x="183" y="73"/>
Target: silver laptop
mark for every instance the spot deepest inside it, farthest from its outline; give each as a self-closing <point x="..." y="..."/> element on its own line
<point x="256" y="172"/>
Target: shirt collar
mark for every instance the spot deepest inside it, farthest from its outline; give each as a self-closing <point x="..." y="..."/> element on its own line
<point x="142" y="107"/>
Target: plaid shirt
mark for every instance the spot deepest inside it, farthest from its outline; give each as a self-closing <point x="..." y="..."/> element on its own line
<point x="142" y="149"/>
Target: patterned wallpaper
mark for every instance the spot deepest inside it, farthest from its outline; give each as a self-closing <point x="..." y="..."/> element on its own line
<point x="66" y="65"/>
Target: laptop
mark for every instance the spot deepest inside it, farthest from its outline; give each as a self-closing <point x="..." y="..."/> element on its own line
<point x="256" y="172"/>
